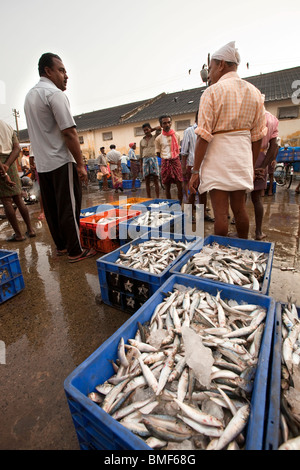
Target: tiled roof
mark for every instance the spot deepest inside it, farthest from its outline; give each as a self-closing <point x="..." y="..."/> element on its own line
<point x="181" y="102"/>
<point x="275" y="86"/>
<point x="105" y="117"/>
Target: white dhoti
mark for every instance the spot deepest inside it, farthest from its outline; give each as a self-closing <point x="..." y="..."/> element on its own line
<point x="228" y="163"/>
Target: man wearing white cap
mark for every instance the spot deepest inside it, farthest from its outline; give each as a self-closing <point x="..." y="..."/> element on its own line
<point x="231" y="125"/>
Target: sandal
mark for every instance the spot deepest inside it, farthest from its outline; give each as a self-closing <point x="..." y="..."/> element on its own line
<point x="89" y="253"/>
<point x="30" y="235"/>
<point x="14" y="239"/>
<point x="61" y="252"/>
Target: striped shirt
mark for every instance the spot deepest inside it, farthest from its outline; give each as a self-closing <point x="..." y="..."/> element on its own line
<point x="188" y="144"/>
<point x="231" y="104"/>
<point x="132" y="155"/>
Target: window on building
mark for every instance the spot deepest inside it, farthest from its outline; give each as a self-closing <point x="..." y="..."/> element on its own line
<point x="138" y="131"/>
<point x="107" y="135"/>
<point x="81" y="139"/>
<point x="288" y="112"/>
<point x="182" y="125"/>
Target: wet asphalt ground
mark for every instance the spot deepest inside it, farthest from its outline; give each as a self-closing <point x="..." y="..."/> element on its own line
<point x="58" y="320"/>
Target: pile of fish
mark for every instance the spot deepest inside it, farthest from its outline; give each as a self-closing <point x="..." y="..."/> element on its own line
<point x="106" y="220"/>
<point x="86" y="214"/>
<point x="157" y="205"/>
<point x="153" y="255"/>
<point x="185" y="380"/>
<point x="228" y="264"/>
<point x="153" y="219"/>
<point x="290" y="379"/>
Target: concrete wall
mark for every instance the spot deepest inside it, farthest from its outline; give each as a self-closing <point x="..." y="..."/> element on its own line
<point x="123" y="134"/>
<point x="289" y="129"/>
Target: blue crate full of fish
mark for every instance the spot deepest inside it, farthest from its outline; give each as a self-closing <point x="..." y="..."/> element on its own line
<point x="156" y="205"/>
<point x="125" y="283"/>
<point x="244" y="264"/>
<point x="11" y="278"/>
<point x="283" y="390"/>
<point x="155" y="223"/>
<point x="161" y="387"/>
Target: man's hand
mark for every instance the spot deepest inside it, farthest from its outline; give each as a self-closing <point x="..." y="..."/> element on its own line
<point x="9" y="182"/>
<point x="194" y="183"/>
<point x="259" y="173"/>
<point x="82" y="174"/>
<point x="3" y="169"/>
<point x="7" y="179"/>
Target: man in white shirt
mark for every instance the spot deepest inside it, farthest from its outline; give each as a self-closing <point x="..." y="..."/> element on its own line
<point x="58" y="157"/>
<point x="114" y="160"/>
<point x="25" y="164"/>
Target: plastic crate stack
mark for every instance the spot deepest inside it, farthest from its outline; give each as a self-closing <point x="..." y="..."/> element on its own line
<point x="286" y="154"/>
<point x="103" y="237"/>
<point x="11" y="278"/>
<point x="127" y="288"/>
<point x="98" y="430"/>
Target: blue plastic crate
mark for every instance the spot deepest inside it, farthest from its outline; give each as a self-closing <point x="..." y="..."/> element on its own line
<point x="95" y="210"/>
<point x="273" y="187"/>
<point x="113" y="278"/>
<point x="285" y="154"/>
<point x="263" y="247"/>
<point x="98" y="430"/>
<point x="297" y="154"/>
<point x="127" y="184"/>
<point x="272" y="434"/>
<point x="11" y="278"/>
<point x="169" y="204"/>
<point x="129" y="231"/>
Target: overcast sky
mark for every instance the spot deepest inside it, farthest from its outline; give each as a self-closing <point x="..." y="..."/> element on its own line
<point x="121" y="51"/>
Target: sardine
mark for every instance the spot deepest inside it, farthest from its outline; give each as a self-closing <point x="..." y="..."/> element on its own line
<point x="234" y="427"/>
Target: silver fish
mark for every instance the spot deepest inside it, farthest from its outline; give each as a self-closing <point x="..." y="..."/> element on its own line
<point x="228" y="264"/>
<point x="159" y="377"/>
<point x="234" y="427"/>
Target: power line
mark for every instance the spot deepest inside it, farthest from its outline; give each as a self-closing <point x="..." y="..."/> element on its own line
<point x="16" y="115"/>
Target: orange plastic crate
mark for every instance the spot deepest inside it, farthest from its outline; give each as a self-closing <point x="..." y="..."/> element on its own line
<point x="104" y="237"/>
